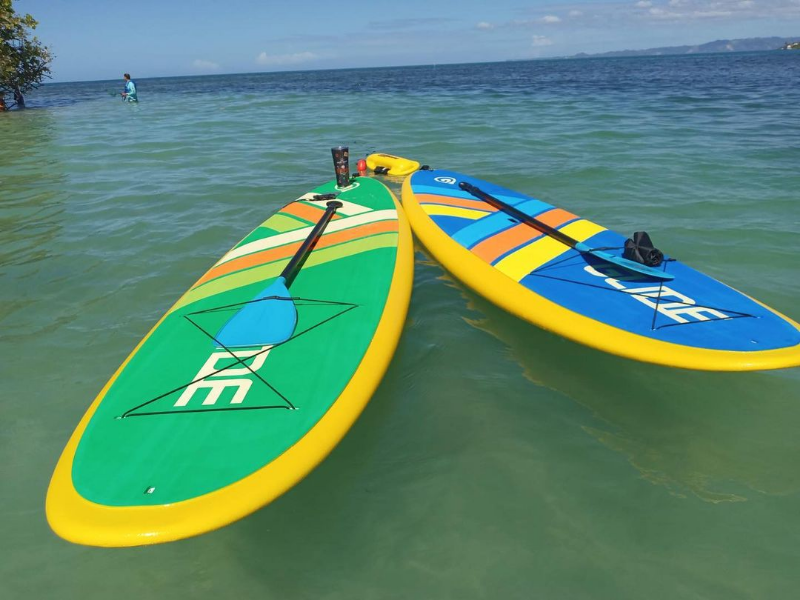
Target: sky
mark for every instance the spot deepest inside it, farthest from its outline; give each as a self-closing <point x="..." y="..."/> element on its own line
<point x="96" y="39"/>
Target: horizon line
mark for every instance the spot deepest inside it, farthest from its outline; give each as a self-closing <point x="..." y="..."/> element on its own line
<point x="579" y="56"/>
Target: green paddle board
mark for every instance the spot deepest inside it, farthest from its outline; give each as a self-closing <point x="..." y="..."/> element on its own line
<point x="191" y="434"/>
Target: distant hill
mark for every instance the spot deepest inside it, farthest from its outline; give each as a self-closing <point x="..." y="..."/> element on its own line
<point x="740" y="45"/>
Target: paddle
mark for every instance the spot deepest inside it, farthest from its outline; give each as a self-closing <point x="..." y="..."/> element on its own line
<point x="563" y="237"/>
<point x="271" y="317"/>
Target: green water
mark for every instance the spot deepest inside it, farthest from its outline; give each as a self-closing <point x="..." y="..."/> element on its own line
<point x="496" y="460"/>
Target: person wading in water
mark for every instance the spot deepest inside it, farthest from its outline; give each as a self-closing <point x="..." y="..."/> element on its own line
<point x="130" y="89"/>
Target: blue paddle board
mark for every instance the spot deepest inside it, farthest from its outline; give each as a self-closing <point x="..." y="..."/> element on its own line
<point x="686" y="319"/>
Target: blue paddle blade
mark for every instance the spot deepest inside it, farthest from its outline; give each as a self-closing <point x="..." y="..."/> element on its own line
<point x="270" y="319"/>
<point x="628" y="265"/>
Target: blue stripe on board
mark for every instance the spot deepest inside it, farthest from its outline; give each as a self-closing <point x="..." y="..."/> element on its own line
<point x="495" y="223"/>
<point x="449" y="224"/>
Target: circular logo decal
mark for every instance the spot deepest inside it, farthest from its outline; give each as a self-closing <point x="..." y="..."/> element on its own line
<point x="352" y="186"/>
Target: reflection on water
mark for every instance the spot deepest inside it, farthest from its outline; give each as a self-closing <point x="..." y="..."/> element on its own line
<point x="720" y="436"/>
<point x="31" y="207"/>
<point x="30" y="180"/>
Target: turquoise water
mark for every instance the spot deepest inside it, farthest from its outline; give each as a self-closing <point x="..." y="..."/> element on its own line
<point x="496" y="460"/>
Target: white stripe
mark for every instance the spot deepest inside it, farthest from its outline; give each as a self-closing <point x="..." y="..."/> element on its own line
<point x="300" y="234"/>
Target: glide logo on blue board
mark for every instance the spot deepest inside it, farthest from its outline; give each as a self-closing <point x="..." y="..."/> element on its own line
<point x="670" y="303"/>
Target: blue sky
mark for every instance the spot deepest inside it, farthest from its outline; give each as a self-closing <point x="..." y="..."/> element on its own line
<point x="152" y="38"/>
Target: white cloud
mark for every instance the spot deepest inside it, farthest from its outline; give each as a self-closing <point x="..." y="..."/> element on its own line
<point x="285" y="59"/>
<point x="712" y="14"/>
<point x="205" y="65"/>
<point x="540" y="41"/>
<point x="696" y="10"/>
<point x="484" y="25"/>
<point x="610" y="14"/>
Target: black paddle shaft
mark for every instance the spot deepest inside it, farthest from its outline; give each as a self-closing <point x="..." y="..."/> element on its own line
<point x="290" y="271"/>
<point x="519" y="215"/>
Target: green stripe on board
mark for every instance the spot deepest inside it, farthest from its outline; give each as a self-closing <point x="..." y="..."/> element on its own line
<point x="273" y="269"/>
<point x="282" y="223"/>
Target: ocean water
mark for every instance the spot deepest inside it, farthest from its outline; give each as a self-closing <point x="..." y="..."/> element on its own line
<point x="496" y="460"/>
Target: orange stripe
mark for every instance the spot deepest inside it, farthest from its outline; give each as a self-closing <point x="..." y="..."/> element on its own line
<point x="556" y="217"/>
<point x="492" y="248"/>
<point x="500" y="243"/>
<point x="307" y="212"/>
<point x="273" y="254"/>
<point x="450" y="201"/>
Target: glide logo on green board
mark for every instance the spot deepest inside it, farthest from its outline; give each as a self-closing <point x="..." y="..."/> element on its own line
<point x="217" y="377"/>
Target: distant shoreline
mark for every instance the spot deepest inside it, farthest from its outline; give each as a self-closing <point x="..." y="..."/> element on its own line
<point x="760" y="44"/>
